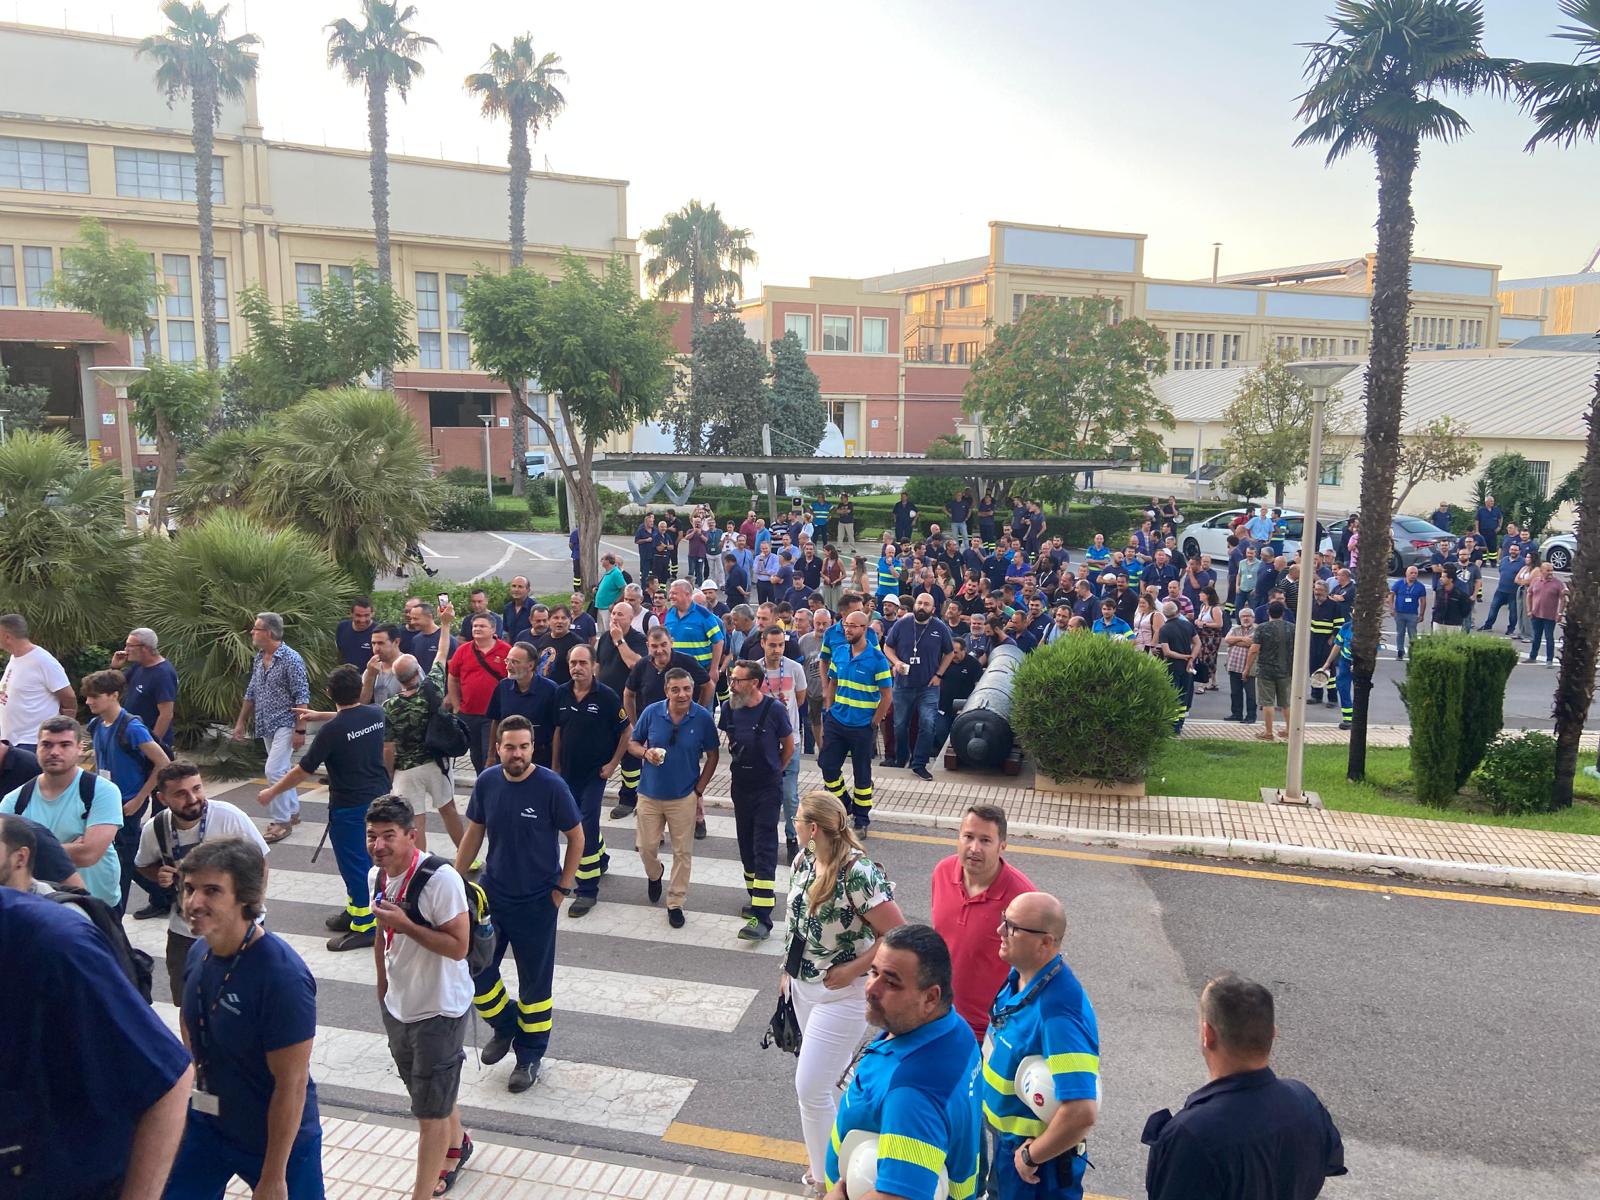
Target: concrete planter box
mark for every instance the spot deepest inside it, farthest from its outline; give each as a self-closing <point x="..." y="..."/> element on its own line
<point x="1132" y="789"/>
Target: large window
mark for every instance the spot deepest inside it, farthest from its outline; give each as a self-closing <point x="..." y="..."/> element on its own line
<point x="1541" y="473"/>
<point x="344" y="275"/>
<point x="1332" y="472"/>
<point x="162" y="175"/>
<point x="307" y="286"/>
<point x="179" y="302"/>
<point x="1181" y="460"/>
<point x="874" y="335"/>
<point x="455" y="292"/>
<point x="1149" y="466"/>
<point x="1194" y="351"/>
<point x="38" y="266"/>
<point x="219" y="303"/>
<point x="8" y="275"/>
<point x="798" y="324"/>
<point x="837" y="333"/>
<point x="36" y="166"/>
<point x="430" y="352"/>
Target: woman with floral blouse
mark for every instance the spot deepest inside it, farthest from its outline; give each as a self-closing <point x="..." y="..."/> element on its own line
<point x="840" y="902"/>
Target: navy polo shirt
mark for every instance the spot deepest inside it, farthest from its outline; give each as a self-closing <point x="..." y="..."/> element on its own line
<point x="355" y="645"/>
<point x="589" y="729"/>
<point x="425" y="648"/>
<point x="517" y="623"/>
<point x="921" y="647"/>
<point x="538" y="704"/>
<point x="148" y="689"/>
<point x="1248" y="1135"/>
<point x="524" y="819"/>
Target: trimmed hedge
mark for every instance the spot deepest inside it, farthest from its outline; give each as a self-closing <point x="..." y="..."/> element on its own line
<point x="1518" y="774"/>
<point x="1435" y="682"/>
<point x="1489" y="663"/>
<point x="1094" y="708"/>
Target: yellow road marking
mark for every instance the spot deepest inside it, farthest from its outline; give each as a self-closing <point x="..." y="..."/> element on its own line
<point x="754" y="1145"/>
<point x="1349" y="885"/>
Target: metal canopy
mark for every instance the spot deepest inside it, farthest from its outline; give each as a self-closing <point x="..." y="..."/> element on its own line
<point x="852" y="465"/>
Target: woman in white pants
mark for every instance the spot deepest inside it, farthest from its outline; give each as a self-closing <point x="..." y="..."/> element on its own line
<point x="840" y="901"/>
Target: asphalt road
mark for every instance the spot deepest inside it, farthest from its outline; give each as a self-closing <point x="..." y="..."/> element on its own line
<point x="1452" y="1040"/>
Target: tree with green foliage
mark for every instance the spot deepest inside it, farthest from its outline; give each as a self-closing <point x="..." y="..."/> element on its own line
<point x="349" y="334"/>
<point x="1564" y="98"/>
<point x="66" y="553"/>
<point x="928" y="493"/>
<point x="195" y="57"/>
<point x="1374" y="84"/>
<point x="1066" y="381"/>
<point x="603" y="354"/>
<point x="201" y="592"/>
<point x="1269" y="424"/>
<point x="1438" y="450"/>
<point x="1520" y="493"/>
<point x="217" y="473"/>
<point x="173" y="405"/>
<point x="22" y="405"/>
<point x="731" y="388"/>
<point x="797" y="414"/>
<point x="522" y="86"/>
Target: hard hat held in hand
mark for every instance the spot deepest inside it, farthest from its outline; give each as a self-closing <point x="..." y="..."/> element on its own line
<point x="1036" y="1087"/>
<point x="858" y="1160"/>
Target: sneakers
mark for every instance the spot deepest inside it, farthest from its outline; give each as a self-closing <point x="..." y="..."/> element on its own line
<point x="622" y="810"/>
<point x="700" y="831"/>
<point x="748" y="912"/>
<point x="675" y="917"/>
<point x="495" y="1049"/>
<point x="652" y="887"/>
<point x="523" y="1077"/>
<point x="339" y="922"/>
<point x="352" y="940"/>
<point x="755" y="930"/>
<point x="581" y="905"/>
<point x="1344" y="724"/>
<point x="922" y="773"/>
<point x="150" y="912"/>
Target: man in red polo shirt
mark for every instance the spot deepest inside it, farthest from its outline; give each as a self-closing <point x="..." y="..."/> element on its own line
<point x="971" y="889"/>
<point x="476" y="668"/>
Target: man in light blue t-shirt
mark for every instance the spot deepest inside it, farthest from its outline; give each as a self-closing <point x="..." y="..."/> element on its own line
<point x="84" y="812"/>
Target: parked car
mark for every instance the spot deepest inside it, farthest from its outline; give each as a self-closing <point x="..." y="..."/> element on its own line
<point x="1413" y="538"/>
<point x="536" y="464"/>
<point x="1211" y="535"/>
<point x="1559" y="550"/>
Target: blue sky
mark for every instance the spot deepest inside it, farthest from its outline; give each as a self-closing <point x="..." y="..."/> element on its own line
<point x="884" y="135"/>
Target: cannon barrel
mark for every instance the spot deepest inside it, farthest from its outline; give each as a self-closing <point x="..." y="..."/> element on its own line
<point x="981" y="733"/>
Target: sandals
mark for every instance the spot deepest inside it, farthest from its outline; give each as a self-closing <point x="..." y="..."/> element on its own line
<point x="276" y="832"/>
<point x="458" y="1155"/>
<point x="1265" y="737"/>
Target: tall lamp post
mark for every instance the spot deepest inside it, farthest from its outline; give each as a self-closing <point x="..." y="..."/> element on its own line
<point x="488" y="470"/>
<point x="122" y="378"/>
<point x="1320" y="376"/>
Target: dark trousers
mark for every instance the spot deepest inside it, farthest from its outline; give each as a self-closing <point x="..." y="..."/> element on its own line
<point x="1242" y="698"/>
<point x="347" y="834"/>
<point x="595" y="861"/>
<point x="1320" y="645"/>
<point x="1184" y="682"/>
<point x="528" y="927"/>
<point x="628" y="773"/>
<point x="763" y="591"/>
<point x="757" y="804"/>
<point x="207" y="1162"/>
<point x="127" y="844"/>
<point x="919" y="706"/>
<point x="854" y="741"/>
<point x="1545" y="628"/>
<point x="477" y="740"/>
<point x="699" y="568"/>
<point x="1507" y="601"/>
<point x="177" y="959"/>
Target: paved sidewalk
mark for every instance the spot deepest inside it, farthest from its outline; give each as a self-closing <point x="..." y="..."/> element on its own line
<point x="1327" y="733"/>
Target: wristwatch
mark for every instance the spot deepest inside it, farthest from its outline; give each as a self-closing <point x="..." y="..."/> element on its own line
<point x="565" y="891"/>
<point x="1026" y="1157"/>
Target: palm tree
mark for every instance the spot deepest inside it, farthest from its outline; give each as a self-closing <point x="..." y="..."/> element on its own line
<point x="196" y="57"/>
<point x="519" y="85"/>
<point x="1374" y="84"/>
<point x="1564" y="99"/>
<point x="379" y="54"/>
<point x="697" y="254"/>
<point x="218" y="473"/>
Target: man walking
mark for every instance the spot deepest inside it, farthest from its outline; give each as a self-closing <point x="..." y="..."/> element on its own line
<point x="787" y="682"/>
<point x="858" y="692"/>
<point x="516" y="618"/>
<point x="591" y="738"/>
<point x="1179" y="644"/>
<point x="126" y="753"/>
<point x="647" y="685"/>
<point x="760" y="732"/>
<point x="525" y="692"/>
<point x="152" y="691"/>
<point x="1247" y="1133"/>
<point x="669" y="738"/>
<point x="525" y="810"/>
<point x="420" y="777"/>
<point x="919" y="648"/>
<point x="1272" y="659"/>
<point x="278" y="687"/>
<point x="33" y="687"/>
<point x="695" y="632"/>
<point x="353" y="637"/>
<point x="84" y="811"/>
<point x="617" y="651"/>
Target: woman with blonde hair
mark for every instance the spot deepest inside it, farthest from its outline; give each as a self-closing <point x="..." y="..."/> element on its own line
<point x="840" y="903"/>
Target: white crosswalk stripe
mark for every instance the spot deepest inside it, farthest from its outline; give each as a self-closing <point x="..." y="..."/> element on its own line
<point x="581" y="1093"/>
<point x="310" y="832"/>
<point x="680" y="1002"/>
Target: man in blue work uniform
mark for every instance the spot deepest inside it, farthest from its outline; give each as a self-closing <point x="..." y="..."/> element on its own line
<point x="1327" y="618"/>
<point x="760" y="748"/>
<point x="905" y="518"/>
<point x="1042" y="1010"/>
<point x="591" y="737"/>
<point x="1488" y="521"/>
<point x="833" y="640"/>
<point x="915" y="1085"/>
<point x="919" y="648"/>
<point x="1246" y="1133"/>
<point x="525" y="693"/>
<point x="857" y="692"/>
<point x="1338" y="664"/>
<point x="526" y="810"/>
<point x="516" y="618"/>
<point x="697" y="632"/>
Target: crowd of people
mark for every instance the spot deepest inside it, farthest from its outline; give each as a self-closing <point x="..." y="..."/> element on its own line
<point x="780" y="642"/>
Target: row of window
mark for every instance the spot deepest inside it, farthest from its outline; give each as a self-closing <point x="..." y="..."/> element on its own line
<point x="959" y="295"/>
<point x="34" y="165"/>
<point x="838" y="333"/>
<point x="1446" y="333"/>
<point x="1317" y="347"/>
<point x="1205" y="351"/>
<point x="175" y="337"/>
<point x="947" y="352"/>
<point x="1180" y="461"/>
<point x="38" y="265"/>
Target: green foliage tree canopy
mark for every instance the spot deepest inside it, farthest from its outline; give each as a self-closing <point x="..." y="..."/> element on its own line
<point x="731" y="373"/>
<point x="1269" y="424"/>
<point x="110" y="278"/>
<point x="797" y="411"/>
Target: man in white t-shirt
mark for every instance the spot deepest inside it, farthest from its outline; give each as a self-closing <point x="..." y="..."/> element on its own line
<point x="33" y="687"/>
<point x="187" y="820"/>
<point x="424" y="985"/>
<point x="785" y="681"/>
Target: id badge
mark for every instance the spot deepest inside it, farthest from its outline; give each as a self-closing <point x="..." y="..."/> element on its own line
<point x="988" y="1044"/>
<point x="205" y="1102"/>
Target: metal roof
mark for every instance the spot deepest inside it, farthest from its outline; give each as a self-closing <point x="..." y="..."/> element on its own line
<point x="852" y="465"/>
<point x="1561" y="342"/>
<point x="1510" y="395"/>
<point x="1544" y="281"/>
<point x="1334" y="266"/>
<point x="897" y="281"/>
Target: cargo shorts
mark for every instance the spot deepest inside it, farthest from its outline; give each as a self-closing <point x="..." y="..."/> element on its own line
<point x="428" y="1055"/>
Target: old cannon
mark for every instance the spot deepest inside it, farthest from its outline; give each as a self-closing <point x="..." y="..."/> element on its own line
<point x="981" y="735"/>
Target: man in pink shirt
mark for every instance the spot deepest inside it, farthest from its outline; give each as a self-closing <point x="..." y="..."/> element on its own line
<point x="971" y="889"/>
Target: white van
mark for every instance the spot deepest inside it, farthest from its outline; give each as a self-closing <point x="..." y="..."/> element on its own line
<point x="535" y="464"/>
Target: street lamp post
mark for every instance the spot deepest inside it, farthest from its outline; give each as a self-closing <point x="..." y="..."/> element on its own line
<point x="488" y="470"/>
<point x="1320" y="376"/>
<point x="121" y="378"/>
<point x="1199" y="456"/>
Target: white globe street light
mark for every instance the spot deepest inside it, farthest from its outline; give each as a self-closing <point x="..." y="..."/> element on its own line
<point x="122" y="378"/>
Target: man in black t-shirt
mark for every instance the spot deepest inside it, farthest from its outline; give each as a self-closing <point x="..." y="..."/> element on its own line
<point x="590" y="742"/>
<point x="554" y="645"/>
<point x="1179" y="645"/>
<point x="16" y="767"/>
<point x="618" y="650"/>
<point x="350" y="746"/>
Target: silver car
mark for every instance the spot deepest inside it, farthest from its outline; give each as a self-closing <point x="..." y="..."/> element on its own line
<point x="1559" y="550"/>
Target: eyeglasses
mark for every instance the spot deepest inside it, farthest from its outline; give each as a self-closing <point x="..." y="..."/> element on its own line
<point x="1007" y="925"/>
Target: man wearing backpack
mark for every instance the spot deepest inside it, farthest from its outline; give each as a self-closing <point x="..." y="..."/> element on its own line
<point x="476" y="668"/>
<point x="81" y="809"/>
<point x="424" y="983"/>
<point x="127" y="753"/>
<point x="421" y="777"/>
<point x="186" y="819"/>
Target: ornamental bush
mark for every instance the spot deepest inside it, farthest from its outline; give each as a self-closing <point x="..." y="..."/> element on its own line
<point x="462" y="509"/>
<point x="1435" y="683"/>
<point x="1094" y="708"/>
<point x="1489" y="662"/>
<point x="1518" y="773"/>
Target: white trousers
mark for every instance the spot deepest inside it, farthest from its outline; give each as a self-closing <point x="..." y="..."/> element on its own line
<point x="280" y="760"/>
<point x="832" y="1025"/>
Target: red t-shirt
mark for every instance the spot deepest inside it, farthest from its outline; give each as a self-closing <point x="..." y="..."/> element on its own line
<point x="477" y="685"/>
<point x="970" y="926"/>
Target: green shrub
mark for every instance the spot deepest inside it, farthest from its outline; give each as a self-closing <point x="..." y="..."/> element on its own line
<point x="462" y="477"/>
<point x="1435" y="683"/>
<point x="1489" y="663"/>
<point x="1093" y="707"/>
<point x="1518" y="773"/>
<point x="540" y="497"/>
<point x="462" y="509"/>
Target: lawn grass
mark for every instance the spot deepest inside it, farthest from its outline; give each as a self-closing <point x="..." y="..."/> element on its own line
<point x="1238" y="770"/>
<point x="516" y="508"/>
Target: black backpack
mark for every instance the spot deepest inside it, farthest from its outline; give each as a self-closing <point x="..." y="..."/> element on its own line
<point x="86" y="782"/>
<point x="138" y="966"/>
<point x="446" y="734"/>
<point x="481" y="932"/>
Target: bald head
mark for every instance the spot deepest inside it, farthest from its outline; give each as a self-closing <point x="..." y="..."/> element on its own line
<point x="408" y="670"/>
<point x="1041" y="910"/>
<point x="1031" y="933"/>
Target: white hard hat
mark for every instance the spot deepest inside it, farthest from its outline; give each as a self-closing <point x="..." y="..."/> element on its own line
<point x="1036" y="1087"/>
<point x="858" y="1164"/>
